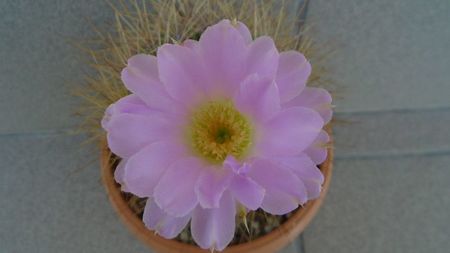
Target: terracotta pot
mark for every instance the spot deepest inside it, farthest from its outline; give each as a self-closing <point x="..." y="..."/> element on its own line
<point x="269" y="243"/>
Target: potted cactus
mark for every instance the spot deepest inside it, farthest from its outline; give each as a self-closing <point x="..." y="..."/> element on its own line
<point x="214" y="141"/>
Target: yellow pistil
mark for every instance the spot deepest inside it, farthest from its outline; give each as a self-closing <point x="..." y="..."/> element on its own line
<point x="217" y="129"/>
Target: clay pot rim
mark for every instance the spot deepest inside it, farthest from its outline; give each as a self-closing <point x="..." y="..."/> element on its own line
<point x="276" y="239"/>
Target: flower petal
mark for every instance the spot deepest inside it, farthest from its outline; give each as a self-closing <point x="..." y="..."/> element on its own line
<point x="278" y="202"/>
<point x="213" y="228"/>
<point x="223" y="50"/>
<point x="143" y="67"/>
<point x="211" y="185"/>
<point x="192" y="44"/>
<point x="318" y="151"/>
<point x="290" y="132"/>
<point x="278" y="181"/>
<point x="165" y="225"/>
<point x="305" y="169"/>
<point x="175" y="191"/>
<point x="247" y="192"/>
<point x="131" y="104"/>
<point x="293" y="72"/>
<point x="317" y="99"/>
<point x="262" y="57"/>
<point x="258" y="98"/>
<point x="119" y="175"/>
<point x="181" y="72"/>
<point x="244" y="31"/>
<point x="144" y="169"/>
<point x="141" y="77"/>
<point x="128" y="133"/>
<point x="313" y="189"/>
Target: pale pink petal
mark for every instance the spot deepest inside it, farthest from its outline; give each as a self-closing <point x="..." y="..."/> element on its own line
<point x="223" y="50"/>
<point x="232" y="163"/>
<point x="211" y="185"/>
<point x="317" y="99"/>
<point x="118" y="114"/>
<point x="275" y="180"/>
<point x="175" y="191"/>
<point x="247" y="192"/>
<point x="302" y="166"/>
<point x="119" y="175"/>
<point x="192" y="44"/>
<point x="144" y="169"/>
<point x="292" y="75"/>
<point x="131" y="104"/>
<point x="278" y="202"/>
<point x="141" y="77"/>
<point x="306" y="170"/>
<point x="144" y="67"/>
<point x="128" y="133"/>
<point x="290" y="132"/>
<point x="165" y="225"/>
<point x="181" y="71"/>
<point x="318" y="151"/>
<point x="258" y="98"/>
<point x="213" y="228"/>
<point x="244" y="31"/>
<point x="262" y="58"/>
<point x="313" y="189"/>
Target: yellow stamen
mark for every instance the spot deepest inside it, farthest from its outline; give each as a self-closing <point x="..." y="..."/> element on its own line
<point x="217" y="129"/>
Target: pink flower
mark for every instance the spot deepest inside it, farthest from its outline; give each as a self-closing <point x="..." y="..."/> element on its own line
<point x="217" y="124"/>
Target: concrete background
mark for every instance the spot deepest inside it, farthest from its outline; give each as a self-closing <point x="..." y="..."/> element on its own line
<point x="390" y="191"/>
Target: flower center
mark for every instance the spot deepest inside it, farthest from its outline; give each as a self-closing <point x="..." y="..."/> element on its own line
<point x="217" y="129"/>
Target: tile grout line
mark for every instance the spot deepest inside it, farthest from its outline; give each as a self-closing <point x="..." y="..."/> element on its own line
<point x="366" y="156"/>
<point x="301" y="243"/>
<point x="395" y="110"/>
<point x="398" y="155"/>
<point x="337" y="114"/>
<point x="44" y="133"/>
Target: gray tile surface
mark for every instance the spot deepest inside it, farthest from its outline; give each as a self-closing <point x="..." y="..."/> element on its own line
<point x="52" y="200"/>
<point x="389" y="54"/>
<point x="38" y="66"/>
<point x="390" y="188"/>
<point x="393" y="133"/>
<point x="294" y="247"/>
<point x="385" y="205"/>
